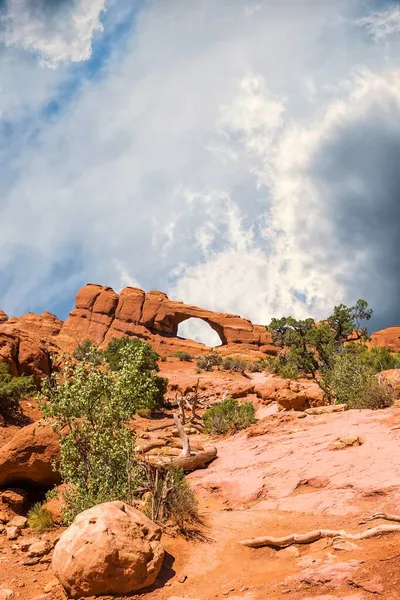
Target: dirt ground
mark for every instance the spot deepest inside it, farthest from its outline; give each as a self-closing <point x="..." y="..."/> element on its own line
<point x="287" y="477"/>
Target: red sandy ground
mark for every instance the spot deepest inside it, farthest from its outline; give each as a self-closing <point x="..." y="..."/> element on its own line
<point x="287" y="479"/>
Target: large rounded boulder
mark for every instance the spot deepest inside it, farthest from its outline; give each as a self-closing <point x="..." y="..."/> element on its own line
<point x="110" y="549"/>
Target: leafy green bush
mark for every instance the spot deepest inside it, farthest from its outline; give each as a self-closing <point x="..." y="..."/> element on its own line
<point x="90" y="409"/>
<point x="234" y="365"/>
<point x="12" y="389"/>
<point x="354" y="383"/>
<point x="138" y="382"/>
<point x="137" y="365"/>
<point x="228" y="417"/>
<point x="208" y="361"/>
<point x="86" y="351"/>
<point x="380" y="358"/>
<point x="183" y="356"/>
<point x="40" y="519"/>
<point x="113" y="352"/>
<point x="288" y="370"/>
<point x="312" y="347"/>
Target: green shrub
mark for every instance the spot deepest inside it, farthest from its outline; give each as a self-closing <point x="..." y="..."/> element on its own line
<point x="258" y="366"/>
<point x="208" y="361"/>
<point x="90" y="409"/>
<point x="12" y="389"/>
<point x="228" y="417"/>
<point x="86" y="351"/>
<point x="183" y="356"/>
<point x="288" y="370"/>
<point x="113" y="352"/>
<point x="40" y="519"/>
<point x="139" y="363"/>
<point x="234" y="365"/>
<point x="354" y="383"/>
<point x="380" y="358"/>
<point x="138" y="382"/>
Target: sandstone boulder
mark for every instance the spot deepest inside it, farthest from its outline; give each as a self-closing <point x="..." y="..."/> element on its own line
<point x="28" y="457"/>
<point x="392" y="377"/>
<point x="25" y="354"/>
<point x="110" y="549"/>
<point x="300" y="396"/>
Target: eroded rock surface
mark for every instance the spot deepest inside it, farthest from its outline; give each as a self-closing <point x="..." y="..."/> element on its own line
<point x="29" y="456"/>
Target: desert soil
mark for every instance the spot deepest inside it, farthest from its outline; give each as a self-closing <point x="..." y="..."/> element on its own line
<point x="285" y="475"/>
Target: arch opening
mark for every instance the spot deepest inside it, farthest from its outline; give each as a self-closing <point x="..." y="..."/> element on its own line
<point x="199" y="331"/>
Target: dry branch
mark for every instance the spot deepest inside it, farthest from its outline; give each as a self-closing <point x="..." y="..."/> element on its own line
<point x="384" y="516"/>
<point x="183" y="436"/>
<point x="158" y="427"/>
<point x="158" y="443"/>
<point x="313" y="536"/>
<point x="186" y="463"/>
<point x="195" y="461"/>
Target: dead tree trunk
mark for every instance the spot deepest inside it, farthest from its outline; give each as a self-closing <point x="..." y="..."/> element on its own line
<point x="183" y="436"/>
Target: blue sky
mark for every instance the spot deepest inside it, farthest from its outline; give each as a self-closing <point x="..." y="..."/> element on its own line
<point x="239" y="155"/>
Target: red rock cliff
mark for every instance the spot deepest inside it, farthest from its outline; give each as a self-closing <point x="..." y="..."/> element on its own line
<point x="26" y="342"/>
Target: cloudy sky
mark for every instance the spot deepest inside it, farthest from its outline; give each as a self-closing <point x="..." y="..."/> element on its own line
<point x="242" y="155"/>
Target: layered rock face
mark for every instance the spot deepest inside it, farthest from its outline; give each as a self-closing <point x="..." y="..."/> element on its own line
<point x="100" y="314"/>
<point x="27" y="342"/>
<point x="389" y="337"/>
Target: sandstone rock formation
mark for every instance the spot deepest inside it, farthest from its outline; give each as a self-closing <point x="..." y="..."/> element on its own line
<point x="100" y="314"/>
<point x="389" y="337"/>
<point x="28" y="457"/>
<point x="110" y="549"/>
<point x="291" y="395"/>
<point x="27" y="342"/>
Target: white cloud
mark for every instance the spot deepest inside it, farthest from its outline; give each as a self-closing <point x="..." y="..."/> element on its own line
<point x="382" y="24"/>
<point x="58" y="32"/>
<point x="189" y="166"/>
<point x="124" y="277"/>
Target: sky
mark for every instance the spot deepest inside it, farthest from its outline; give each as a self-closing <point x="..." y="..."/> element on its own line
<point x="240" y="155"/>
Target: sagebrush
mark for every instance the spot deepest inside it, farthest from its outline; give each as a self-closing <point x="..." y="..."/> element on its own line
<point x="40" y="519"/>
<point x="229" y="416"/>
<point x="183" y="356"/>
<point x="169" y="497"/>
<point x="209" y="361"/>
<point x="86" y="351"/>
<point x="355" y="383"/>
